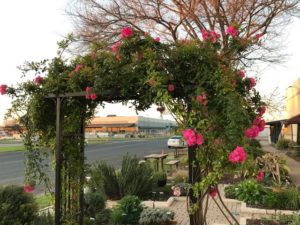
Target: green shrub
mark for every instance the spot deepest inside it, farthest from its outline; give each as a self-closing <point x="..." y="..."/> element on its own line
<point x="291" y="198"/>
<point x="116" y="216"/>
<point x="283" y="143"/>
<point x="16" y="206"/>
<point x="160" y="178"/>
<point x="104" y="177"/>
<point x="156" y="216"/>
<point x="134" y="178"/>
<point x="95" y="202"/>
<point x="250" y="192"/>
<point x="127" y="211"/>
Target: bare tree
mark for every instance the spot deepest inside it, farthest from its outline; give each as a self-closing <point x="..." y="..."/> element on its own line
<point x="175" y="20"/>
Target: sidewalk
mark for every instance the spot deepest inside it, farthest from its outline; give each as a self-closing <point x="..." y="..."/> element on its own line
<point x="291" y="163"/>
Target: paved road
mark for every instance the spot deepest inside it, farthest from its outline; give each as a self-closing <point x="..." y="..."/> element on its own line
<point x="12" y="163"/>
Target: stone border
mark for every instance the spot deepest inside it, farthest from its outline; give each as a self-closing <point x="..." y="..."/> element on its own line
<point x="159" y="204"/>
<point x="250" y="210"/>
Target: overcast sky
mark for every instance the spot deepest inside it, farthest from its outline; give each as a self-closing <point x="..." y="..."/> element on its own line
<point x="31" y="29"/>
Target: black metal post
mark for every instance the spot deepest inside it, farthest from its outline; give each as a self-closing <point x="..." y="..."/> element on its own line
<point x="82" y="175"/>
<point x="58" y="163"/>
<point x="192" y="179"/>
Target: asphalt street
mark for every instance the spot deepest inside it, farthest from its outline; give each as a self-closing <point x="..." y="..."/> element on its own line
<point x="12" y="163"/>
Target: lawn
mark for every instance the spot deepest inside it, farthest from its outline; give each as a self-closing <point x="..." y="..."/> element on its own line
<point x="12" y="148"/>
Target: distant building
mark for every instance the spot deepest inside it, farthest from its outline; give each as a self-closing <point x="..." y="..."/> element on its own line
<point x="130" y="124"/>
<point x="288" y="128"/>
<point x="106" y="126"/>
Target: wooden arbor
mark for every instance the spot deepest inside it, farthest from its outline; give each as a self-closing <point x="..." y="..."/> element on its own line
<point x="63" y="195"/>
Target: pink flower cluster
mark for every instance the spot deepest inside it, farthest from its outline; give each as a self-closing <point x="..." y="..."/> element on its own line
<point x="116" y="46"/>
<point x="241" y="73"/>
<point x="257" y="126"/>
<point x="213" y="192"/>
<point x="89" y="94"/>
<point x="38" y="80"/>
<point x="3" y="89"/>
<point x="171" y="87"/>
<point x="193" y="138"/>
<point x="126" y="32"/>
<point x="237" y="155"/>
<point x="28" y="188"/>
<point x="232" y="31"/>
<point x="252" y="82"/>
<point x="210" y="36"/>
<point x="78" y="68"/>
<point x="202" y="99"/>
<point x="260" y="176"/>
<point x="252" y="132"/>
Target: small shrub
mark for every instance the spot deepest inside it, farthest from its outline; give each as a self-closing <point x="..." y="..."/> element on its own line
<point x="160" y="179"/>
<point x="134" y="178"/>
<point x="104" y="177"/>
<point x="128" y="211"/>
<point x="16" y="206"/>
<point x="291" y="198"/>
<point x="282" y="143"/>
<point x="250" y="192"/>
<point x="95" y="203"/>
<point x="156" y="216"/>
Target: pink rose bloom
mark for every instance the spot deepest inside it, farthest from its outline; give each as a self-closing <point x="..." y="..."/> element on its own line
<point x="252" y="132"/>
<point x="192" y="138"/>
<point x="237" y="155"/>
<point x="93" y="96"/>
<point x="205" y="34"/>
<point x="257" y="121"/>
<point x="115" y="46"/>
<point x="252" y="82"/>
<point x="3" y="89"/>
<point x="157" y="39"/>
<point x="213" y="192"/>
<point x="88" y="90"/>
<point x="257" y="36"/>
<point x="260" y="176"/>
<point x="241" y="73"/>
<point x="171" y="87"/>
<point x="27" y="188"/>
<point x="202" y="99"/>
<point x="38" y="80"/>
<point x="199" y="139"/>
<point x="231" y="31"/>
<point x="126" y="32"/>
<point x="214" y="36"/>
<point x="78" y="68"/>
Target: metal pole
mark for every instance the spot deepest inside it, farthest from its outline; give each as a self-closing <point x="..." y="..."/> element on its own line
<point x="82" y="175"/>
<point x="58" y="163"/>
<point x="192" y="177"/>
